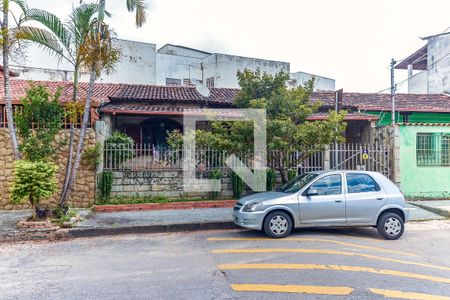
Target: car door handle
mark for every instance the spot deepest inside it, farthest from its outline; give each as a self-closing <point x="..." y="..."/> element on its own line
<point x="380" y="198"/>
<point x="338" y="201"/>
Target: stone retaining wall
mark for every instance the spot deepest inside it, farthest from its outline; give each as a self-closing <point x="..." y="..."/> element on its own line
<point x="159" y="183"/>
<point x="84" y="190"/>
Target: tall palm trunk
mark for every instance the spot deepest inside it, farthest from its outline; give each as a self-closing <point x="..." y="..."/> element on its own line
<point x="81" y="138"/>
<point x="62" y="198"/>
<point x="7" y="83"/>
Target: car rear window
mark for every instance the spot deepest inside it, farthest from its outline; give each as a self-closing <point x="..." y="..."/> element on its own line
<point x="361" y="183"/>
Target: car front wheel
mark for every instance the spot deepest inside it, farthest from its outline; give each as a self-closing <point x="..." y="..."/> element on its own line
<point x="278" y="224"/>
<point x="390" y="226"/>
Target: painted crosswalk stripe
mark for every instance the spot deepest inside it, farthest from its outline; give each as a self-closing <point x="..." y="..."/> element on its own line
<point x="216" y="239"/>
<point x="334" y="268"/>
<point x="305" y="289"/>
<point x="407" y="295"/>
<point x="324" y="251"/>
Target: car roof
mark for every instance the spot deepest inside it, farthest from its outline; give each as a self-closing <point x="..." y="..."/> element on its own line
<point x="342" y="171"/>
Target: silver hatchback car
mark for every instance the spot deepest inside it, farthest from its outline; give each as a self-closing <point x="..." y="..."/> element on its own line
<point x="326" y="198"/>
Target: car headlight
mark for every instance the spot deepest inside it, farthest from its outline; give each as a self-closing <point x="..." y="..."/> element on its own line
<point x="253" y="206"/>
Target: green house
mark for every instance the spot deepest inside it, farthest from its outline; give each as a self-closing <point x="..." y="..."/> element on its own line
<point x="420" y="139"/>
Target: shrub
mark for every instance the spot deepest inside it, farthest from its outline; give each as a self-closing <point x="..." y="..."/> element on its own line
<point x="271" y="179"/>
<point x="38" y="122"/>
<point x="215" y="174"/>
<point x="291" y="174"/>
<point x="33" y="181"/>
<point x="91" y="156"/>
<point x="105" y="184"/>
<point x="237" y="185"/>
<point x="118" y="147"/>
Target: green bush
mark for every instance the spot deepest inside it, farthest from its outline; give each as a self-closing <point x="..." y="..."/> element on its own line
<point x="91" y="156"/>
<point x="215" y="174"/>
<point x="38" y="122"/>
<point x="118" y="147"/>
<point x="105" y="184"/>
<point x="291" y="174"/>
<point x="33" y="181"/>
<point x="271" y="180"/>
<point x="237" y="185"/>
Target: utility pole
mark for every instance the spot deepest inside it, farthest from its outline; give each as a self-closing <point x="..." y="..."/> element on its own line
<point x="393" y="87"/>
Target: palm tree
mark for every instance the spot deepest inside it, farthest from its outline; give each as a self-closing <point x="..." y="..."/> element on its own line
<point x="65" y="40"/>
<point x="8" y="40"/>
<point x="102" y="49"/>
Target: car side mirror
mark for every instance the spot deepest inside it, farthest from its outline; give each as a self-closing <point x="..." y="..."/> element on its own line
<point x="312" y="192"/>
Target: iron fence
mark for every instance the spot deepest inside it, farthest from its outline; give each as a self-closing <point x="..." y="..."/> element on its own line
<point x="144" y="157"/>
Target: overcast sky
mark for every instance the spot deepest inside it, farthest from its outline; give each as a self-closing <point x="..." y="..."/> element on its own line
<point x="349" y="40"/>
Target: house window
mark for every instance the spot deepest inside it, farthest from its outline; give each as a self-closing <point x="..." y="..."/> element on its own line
<point x="210" y="82"/>
<point x="433" y="149"/>
<point x="173" y="82"/>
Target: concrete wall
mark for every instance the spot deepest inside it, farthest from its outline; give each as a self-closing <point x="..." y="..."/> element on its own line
<point x="320" y="83"/>
<point x="223" y="68"/>
<point x="83" y="194"/>
<point x="137" y="64"/>
<point x="182" y="51"/>
<point x="177" y="67"/>
<point x="421" y="181"/>
<point x="418" y="83"/>
<point x="438" y="64"/>
<point x="140" y="63"/>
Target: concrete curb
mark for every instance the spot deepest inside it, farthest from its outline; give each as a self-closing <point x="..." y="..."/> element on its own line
<point x="72" y="233"/>
<point x="159" y="228"/>
<point x="442" y="212"/>
<point x="165" y="206"/>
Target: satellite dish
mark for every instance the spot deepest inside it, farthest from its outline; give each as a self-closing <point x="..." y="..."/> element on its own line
<point x="201" y="88"/>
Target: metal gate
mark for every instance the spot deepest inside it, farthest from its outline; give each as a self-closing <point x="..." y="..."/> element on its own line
<point x="354" y="156"/>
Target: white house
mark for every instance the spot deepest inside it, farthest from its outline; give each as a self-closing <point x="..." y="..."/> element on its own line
<point x="170" y="65"/>
<point x="429" y="67"/>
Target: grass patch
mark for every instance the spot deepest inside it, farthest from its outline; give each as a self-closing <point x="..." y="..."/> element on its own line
<point x="150" y="199"/>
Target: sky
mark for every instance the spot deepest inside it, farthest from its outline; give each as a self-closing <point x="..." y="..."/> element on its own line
<point x="351" y="41"/>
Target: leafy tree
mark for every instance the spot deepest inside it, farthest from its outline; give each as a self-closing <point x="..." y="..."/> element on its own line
<point x="38" y="122"/>
<point x="288" y="130"/>
<point x="34" y="180"/>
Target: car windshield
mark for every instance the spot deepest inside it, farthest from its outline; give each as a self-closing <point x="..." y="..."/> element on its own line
<point x="297" y="183"/>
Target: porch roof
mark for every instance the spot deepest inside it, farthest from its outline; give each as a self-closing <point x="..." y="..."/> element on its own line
<point x="352" y="116"/>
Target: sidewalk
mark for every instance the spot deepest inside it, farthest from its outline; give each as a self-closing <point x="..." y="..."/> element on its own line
<point x="151" y="221"/>
<point x="440" y="207"/>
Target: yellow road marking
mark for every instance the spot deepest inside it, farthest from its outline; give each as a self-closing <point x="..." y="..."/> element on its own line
<point x="315" y="240"/>
<point x="407" y="295"/>
<point x="306" y="289"/>
<point x="333" y="268"/>
<point x="322" y="251"/>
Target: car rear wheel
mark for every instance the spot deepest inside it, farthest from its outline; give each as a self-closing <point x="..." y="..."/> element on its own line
<point x="390" y="226"/>
<point x="278" y="224"/>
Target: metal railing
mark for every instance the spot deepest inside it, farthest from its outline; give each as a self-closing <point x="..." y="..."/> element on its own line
<point x="144" y="157"/>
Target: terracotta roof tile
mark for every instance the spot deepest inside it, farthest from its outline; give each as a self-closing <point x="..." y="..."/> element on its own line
<point x="101" y="90"/>
<point x="173" y="94"/>
<point x="382" y="102"/>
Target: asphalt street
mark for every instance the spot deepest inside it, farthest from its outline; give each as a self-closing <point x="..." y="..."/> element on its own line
<point x="233" y="264"/>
